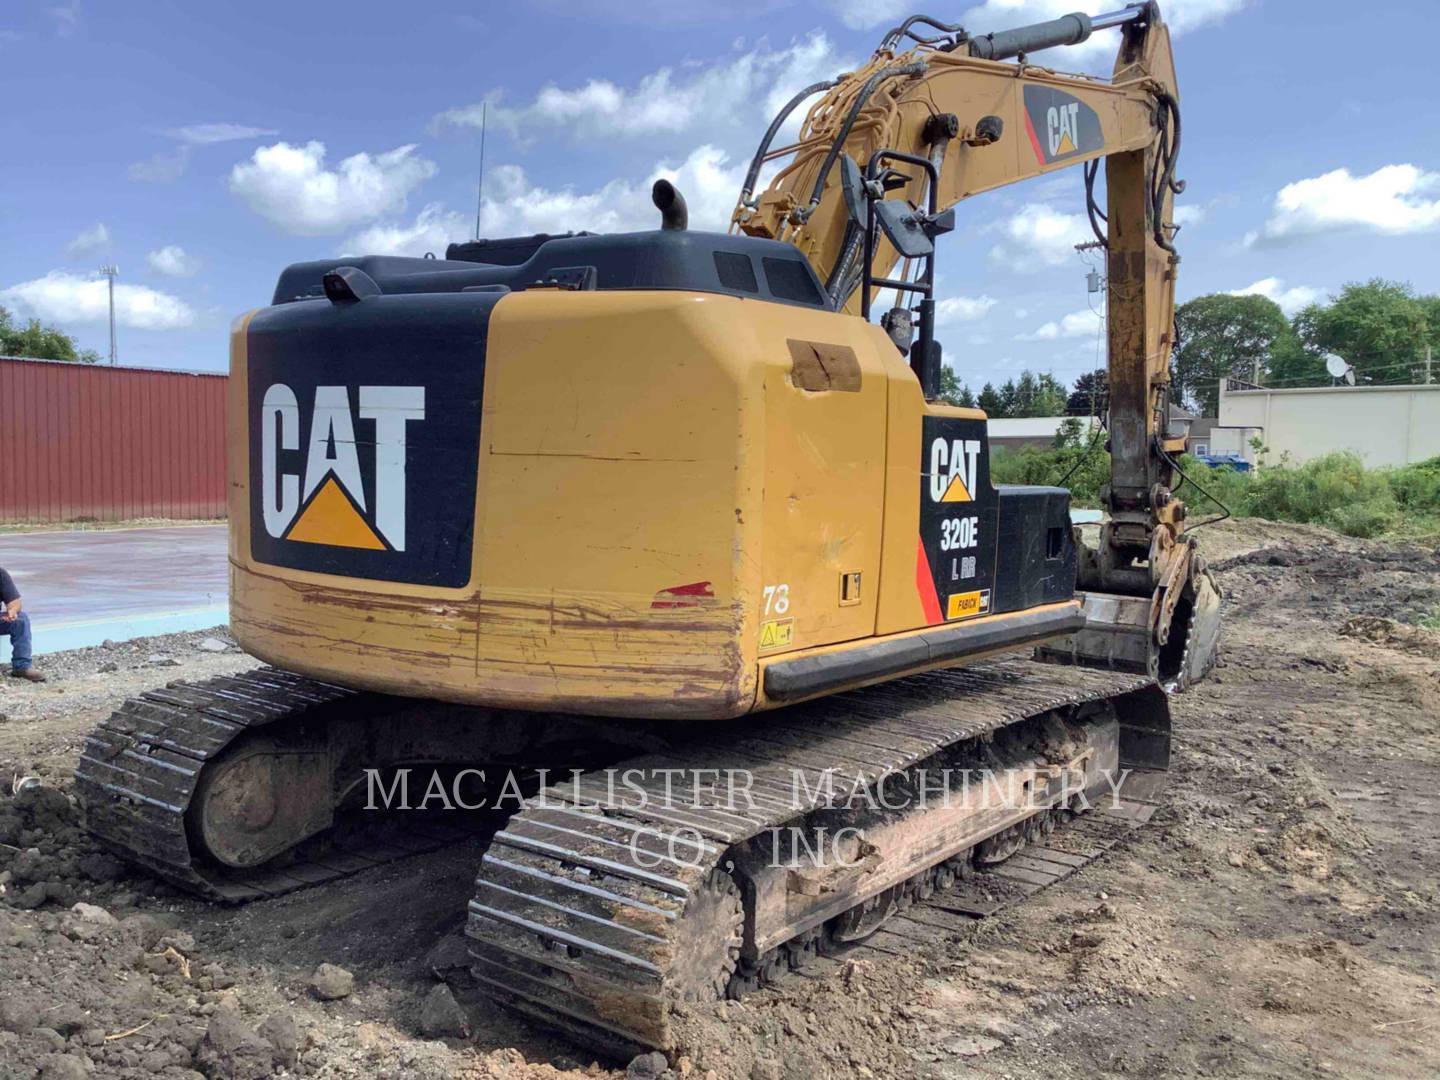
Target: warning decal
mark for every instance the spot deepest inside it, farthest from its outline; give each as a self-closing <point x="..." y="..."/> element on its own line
<point x="777" y="633"/>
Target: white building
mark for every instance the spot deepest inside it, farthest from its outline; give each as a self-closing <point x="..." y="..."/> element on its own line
<point x="1385" y="425"/>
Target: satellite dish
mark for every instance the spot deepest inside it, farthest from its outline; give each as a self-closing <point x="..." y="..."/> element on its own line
<point x="1336" y="366"/>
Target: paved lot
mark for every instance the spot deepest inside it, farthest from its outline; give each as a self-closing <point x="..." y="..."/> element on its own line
<point x="83" y="586"/>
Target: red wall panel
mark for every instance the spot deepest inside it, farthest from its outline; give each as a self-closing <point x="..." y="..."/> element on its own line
<point x="112" y="444"/>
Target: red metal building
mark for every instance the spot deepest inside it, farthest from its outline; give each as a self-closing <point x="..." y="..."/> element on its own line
<point x="87" y="442"/>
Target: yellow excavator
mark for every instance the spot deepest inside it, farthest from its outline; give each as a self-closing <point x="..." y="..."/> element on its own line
<point x="667" y="531"/>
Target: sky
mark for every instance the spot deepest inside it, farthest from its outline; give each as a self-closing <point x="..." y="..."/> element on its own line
<point x="203" y="147"/>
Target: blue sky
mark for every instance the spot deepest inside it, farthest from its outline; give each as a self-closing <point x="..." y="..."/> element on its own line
<point x="202" y="147"/>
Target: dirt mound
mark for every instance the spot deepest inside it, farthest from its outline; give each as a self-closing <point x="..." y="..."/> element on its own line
<point x="1396" y="582"/>
<point x="44" y="853"/>
<point x="1382" y="631"/>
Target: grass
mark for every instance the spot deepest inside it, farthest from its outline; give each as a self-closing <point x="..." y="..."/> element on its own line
<point x="1335" y="490"/>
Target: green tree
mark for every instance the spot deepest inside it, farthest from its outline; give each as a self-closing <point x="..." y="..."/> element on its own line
<point x="1218" y="336"/>
<point x="989" y="400"/>
<point x="1009" y="399"/>
<point x="1050" y="397"/>
<point x="1380" y="327"/>
<point x="1091" y="396"/>
<point x="1068" y="435"/>
<point x="1292" y="363"/>
<point x="952" y="392"/>
<point x="39" y="342"/>
<point x="1431" y="307"/>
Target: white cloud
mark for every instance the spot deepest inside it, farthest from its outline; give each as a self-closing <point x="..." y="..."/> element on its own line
<point x="209" y="133"/>
<point x="732" y="94"/>
<point x="162" y="167"/>
<point x="863" y="14"/>
<point x="959" y="309"/>
<point x="1076" y="324"/>
<point x="63" y="297"/>
<point x="515" y="206"/>
<point x="166" y="165"/>
<point x="1290" y="300"/>
<point x="1189" y="214"/>
<point x="67" y="18"/>
<point x="1390" y="201"/>
<point x="432" y="231"/>
<point x="992" y="15"/>
<point x="1040" y="236"/>
<point x="706" y="178"/>
<point x="173" y="261"/>
<point x="88" y="240"/>
<point x="290" y="186"/>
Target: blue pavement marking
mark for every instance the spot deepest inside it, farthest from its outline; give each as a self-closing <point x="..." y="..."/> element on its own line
<point x="59" y="637"/>
<point x="82" y="586"/>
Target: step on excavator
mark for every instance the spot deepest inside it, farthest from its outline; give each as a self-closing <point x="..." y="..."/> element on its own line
<point x="673" y="507"/>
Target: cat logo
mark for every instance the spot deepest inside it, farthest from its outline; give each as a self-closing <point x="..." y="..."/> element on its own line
<point x="1062" y="123"/>
<point x="953" y="465"/>
<point x="331" y="506"/>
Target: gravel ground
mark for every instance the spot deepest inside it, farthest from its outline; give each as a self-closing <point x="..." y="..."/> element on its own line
<point x="1277" y="918"/>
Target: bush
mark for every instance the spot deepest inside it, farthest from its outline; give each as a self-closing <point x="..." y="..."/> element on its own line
<point x="1336" y="490"/>
<point x="1083" y="473"/>
<point x="1417" y="487"/>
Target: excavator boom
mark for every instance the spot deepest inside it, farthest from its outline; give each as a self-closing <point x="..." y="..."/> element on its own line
<point x="905" y="139"/>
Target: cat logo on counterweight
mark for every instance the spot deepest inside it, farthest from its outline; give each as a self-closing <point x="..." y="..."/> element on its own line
<point x="328" y="504"/>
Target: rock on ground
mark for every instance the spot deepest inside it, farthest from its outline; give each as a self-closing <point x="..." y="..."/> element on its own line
<point x="330" y="983"/>
<point x="441" y="1016"/>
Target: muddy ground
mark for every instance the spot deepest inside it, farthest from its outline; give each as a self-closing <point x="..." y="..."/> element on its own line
<point x="1277" y="918"/>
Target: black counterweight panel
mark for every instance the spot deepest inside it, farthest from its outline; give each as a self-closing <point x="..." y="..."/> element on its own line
<point x="1037" y="552"/>
<point x="364" y="433"/>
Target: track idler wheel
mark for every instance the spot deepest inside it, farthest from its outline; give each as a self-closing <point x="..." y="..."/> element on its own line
<point x="260" y="799"/>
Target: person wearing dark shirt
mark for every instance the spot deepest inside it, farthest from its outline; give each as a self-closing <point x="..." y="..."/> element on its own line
<point x="15" y="624"/>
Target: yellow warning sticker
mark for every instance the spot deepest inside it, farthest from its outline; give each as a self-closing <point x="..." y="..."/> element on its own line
<point x="777" y="633"/>
<point x="964" y="605"/>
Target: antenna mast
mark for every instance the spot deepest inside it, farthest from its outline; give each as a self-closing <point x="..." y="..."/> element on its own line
<point x="480" y="192"/>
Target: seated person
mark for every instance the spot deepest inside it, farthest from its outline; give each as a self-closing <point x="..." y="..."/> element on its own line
<point x="15" y="624"/>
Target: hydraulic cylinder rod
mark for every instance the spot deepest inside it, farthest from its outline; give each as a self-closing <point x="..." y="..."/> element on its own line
<point x="1067" y="30"/>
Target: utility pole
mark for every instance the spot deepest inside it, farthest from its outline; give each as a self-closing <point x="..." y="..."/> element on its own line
<point x="110" y="270"/>
<point x="1427" y="365"/>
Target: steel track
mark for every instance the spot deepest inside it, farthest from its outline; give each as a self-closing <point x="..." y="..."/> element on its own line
<point x="580" y="918"/>
<point x="140" y="769"/>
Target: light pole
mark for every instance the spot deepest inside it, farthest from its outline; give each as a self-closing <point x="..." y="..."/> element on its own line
<point x="110" y="270"/>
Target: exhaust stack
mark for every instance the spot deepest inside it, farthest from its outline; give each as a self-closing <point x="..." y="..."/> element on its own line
<point x="671" y="204"/>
